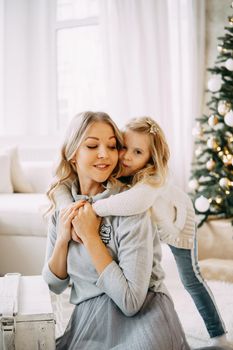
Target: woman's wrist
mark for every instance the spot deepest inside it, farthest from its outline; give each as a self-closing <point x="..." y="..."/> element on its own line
<point x="99" y="254"/>
<point x="62" y="242"/>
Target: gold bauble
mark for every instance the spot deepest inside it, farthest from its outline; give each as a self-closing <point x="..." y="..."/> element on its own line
<point x="224" y="107"/>
<point x="213" y="120"/>
<point x="230" y="19"/>
<point x="212" y="143"/>
<point x="210" y="164"/>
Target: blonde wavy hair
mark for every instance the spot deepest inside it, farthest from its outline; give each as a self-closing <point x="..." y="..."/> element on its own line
<point x="156" y="170"/>
<point x="65" y="172"/>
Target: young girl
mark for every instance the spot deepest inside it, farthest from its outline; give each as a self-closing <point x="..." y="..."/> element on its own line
<point x="120" y="299"/>
<point x="144" y="159"/>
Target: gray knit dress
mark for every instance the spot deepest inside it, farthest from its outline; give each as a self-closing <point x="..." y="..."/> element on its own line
<point x="128" y="305"/>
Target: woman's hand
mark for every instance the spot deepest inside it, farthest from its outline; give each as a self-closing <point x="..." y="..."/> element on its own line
<point x="65" y="221"/>
<point x="86" y="224"/>
<point x="74" y="236"/>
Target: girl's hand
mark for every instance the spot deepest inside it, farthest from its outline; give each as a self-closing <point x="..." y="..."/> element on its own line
<point x="86" y="224"/>
<point x="66" y="216"/>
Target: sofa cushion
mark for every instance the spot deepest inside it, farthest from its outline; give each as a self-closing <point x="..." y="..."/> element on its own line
<point x="5" y="179"/>
<point x="39" y="174"/>
<point x="22" y="214"/>
<point x="19" y="180"/>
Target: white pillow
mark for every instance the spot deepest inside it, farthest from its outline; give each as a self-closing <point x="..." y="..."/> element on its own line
<point x="5" y="174"/>
<point x="18" y="178"/>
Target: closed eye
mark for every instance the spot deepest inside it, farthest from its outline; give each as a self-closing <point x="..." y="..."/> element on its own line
<point x="92" y="147"/>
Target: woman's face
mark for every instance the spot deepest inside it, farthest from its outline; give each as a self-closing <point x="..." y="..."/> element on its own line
<point x="97" y="155"/>
<point x="135" y="154"/>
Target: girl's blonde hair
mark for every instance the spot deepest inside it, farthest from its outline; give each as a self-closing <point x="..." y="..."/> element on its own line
<point x="65" y="172"/>
<point x="156" y="170"/>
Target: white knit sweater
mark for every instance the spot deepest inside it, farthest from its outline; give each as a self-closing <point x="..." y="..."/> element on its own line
<point x="171" y="209"/>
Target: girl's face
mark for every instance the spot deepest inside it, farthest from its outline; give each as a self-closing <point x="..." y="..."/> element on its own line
<point x="97" y="155"/>
<point x="136" y="152"/>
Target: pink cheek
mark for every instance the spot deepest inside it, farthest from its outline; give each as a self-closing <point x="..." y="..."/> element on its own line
<point x="121" y="154"/>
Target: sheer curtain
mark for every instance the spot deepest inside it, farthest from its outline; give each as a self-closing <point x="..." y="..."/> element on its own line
<point x="27" y="54"/>
<point x="154" y="53"/>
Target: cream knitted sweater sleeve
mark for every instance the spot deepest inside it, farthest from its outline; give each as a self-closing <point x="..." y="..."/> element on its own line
<point x="134" y="201"/>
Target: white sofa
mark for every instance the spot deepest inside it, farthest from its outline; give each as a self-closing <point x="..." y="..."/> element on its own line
<point x="23" y="229"/>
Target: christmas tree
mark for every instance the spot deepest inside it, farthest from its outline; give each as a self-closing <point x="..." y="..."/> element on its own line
<point x="211" y="180"/>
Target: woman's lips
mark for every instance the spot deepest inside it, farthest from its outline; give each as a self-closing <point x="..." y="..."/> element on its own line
<point x="102" y="166"/>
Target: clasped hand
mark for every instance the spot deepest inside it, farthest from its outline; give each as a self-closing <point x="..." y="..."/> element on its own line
<point x="78" y="222"/>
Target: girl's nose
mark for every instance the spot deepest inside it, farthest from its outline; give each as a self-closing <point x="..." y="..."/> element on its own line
<point x="125" y="155"/>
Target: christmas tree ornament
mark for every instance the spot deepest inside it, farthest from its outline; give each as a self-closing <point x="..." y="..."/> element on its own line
<point x="212" y="143"/>
<point x="215" y="83"/>
<point x="229" y="64"/>
<point x="213" y="120"/>
<point x="230" y="19"/>
<point x="228" y="159"/>
<point x="218" y="200"/>
<point x="193" y="184"/>
<point x="224" y="182"/>
<point x="228" y="119"/>
<point x="202" y="204"/>
<point x="210" y="164"/>
<point x="219" y="126"/>
<point x="198" y="151"/>
<point x="224" y="107"/>
<point x="197" y="131"/>
<point x="220" y="48"/>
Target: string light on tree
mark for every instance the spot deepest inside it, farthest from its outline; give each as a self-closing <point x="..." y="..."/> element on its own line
<point x="218" y="200"/>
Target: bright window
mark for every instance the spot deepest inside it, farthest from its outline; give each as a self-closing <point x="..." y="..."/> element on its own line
<point x="80" y="68"/>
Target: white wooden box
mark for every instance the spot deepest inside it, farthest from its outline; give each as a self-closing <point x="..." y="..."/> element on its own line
<point x="27" y="322"/>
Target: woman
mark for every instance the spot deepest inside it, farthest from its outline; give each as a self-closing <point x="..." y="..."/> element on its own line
<point x="117" y="281"/>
